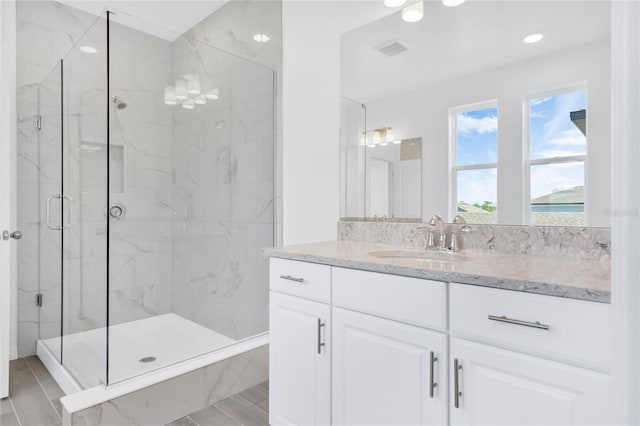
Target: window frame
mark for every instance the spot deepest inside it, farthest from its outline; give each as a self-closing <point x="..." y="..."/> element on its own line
<point x="454" y="168"/>
<point x="528" y="162"/>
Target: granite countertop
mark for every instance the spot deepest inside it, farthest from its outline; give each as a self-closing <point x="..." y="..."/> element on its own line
<point x="553" y="276"/>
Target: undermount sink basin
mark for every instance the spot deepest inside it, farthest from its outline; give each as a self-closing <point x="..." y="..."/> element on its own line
<point x="419" y="254"/>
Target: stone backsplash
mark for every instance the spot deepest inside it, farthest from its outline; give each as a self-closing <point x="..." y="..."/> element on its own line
<point x="565" y="241"/>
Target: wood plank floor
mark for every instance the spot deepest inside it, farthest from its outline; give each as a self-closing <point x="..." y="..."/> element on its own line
<point x="35" y="401"/>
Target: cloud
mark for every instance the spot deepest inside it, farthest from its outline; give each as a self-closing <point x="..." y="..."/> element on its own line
<point x="477" y="186"/>
<point x="468" y="124"/>
<point x="571" y="137"/>
<point x="536" y="102"/>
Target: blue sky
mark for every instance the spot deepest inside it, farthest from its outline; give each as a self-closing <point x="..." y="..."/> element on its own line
<point x="552" y="134"/>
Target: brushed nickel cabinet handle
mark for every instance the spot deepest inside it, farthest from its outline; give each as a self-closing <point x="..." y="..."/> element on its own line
<point x="456" y="383"/>
<point x="320" y="342"/>
<point x="503" y="318"/>
<point x="432" y="383"/>
<point x="290" y="278"/>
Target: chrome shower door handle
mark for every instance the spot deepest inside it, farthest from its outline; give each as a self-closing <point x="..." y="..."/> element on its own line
<point x="48" y="213"/>
<point x="66" y="197"/>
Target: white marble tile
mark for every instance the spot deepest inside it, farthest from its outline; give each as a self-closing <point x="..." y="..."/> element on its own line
<point x="177" y="397"/>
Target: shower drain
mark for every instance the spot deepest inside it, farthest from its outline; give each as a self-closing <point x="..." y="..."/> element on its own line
<point x="148" y="359"/>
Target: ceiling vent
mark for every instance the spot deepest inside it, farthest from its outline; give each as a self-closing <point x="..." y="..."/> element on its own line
<point x="391" y="48"/>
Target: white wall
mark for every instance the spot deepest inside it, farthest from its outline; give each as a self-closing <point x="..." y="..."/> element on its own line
<point x="311" y="112"/>
<point x="425" y="113"/>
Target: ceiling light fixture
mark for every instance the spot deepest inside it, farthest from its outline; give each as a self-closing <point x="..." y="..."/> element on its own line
<point x="88" y="49"/>
<point x="533" y="38"/>
<point x="261" y="38"/>
<point x="413" y="13"/>
<point x="452" y="3"/>
<point x="193" y="86"/>
<point x="189" y="104"/>
<point x="201" y="100"/>
<point x="213" y="94"/>
<point x="394" y="3"/>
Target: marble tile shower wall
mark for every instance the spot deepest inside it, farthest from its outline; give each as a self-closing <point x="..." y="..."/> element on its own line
<point x="223" y="193"/>
<point x="140" y="257"/>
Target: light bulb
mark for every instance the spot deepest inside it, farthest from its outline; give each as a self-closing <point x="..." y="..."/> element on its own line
<point x="181" y="89"/>
<point x="188" y="104"/>
<point x="389" y="134"/>
<point x="394" y="3"/>
<point x="213" y="94"/>
<point x="413" y="13"/>
<point x="452" y="3"/>
<point x="193" y="86"/>
<point x="170" y="96"/>
<point x="533" y="38"/>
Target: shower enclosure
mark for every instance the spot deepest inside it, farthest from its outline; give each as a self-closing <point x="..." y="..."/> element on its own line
<point x="156" y="187"/>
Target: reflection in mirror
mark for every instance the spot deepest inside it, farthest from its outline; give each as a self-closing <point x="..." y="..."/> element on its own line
<point x="394" y="180"/>
<point x="513" y="132"/>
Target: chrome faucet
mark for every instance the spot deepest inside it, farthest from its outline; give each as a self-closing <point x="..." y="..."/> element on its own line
<point x="439" y="242"/>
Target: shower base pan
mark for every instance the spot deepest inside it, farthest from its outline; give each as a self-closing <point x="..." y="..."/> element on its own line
<point x="153" y="360"/>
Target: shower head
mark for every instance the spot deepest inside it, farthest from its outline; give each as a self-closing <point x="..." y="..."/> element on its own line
<point x="119" y="104"/>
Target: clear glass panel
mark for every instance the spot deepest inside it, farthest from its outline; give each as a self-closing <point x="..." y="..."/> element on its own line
<point x="478" y="195"/>
<point x="192" y="171"/>
<point x="477" y="136"/>
<point x="557" y="125"/>
<point x="84" y="164"/>
<point x="352" y="159"/>
<point x="557" y="194"/>
<point x="49" y="188"/>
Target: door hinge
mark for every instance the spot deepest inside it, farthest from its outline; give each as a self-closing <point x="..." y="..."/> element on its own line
<point x="39" y="122"/>
<point x="39" y="299"/>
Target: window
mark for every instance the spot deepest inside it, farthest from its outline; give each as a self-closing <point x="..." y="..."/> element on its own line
<point x="557" y="153"/>
<point x="475" y="150"/>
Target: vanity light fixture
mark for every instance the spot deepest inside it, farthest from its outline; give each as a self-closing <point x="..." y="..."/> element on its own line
<point x="394" y="3"/>
<point x="388" y="135"/>
<point x="170" y="96"/>
<point x="181" y="89"/>
<point x="533" y="38"/>
<point x="261" y="38"/>
<point x="88" y="49"/>
<point x="382" y="137"/>
<point x="413" y="13"/>
<point x="452" y="3"/>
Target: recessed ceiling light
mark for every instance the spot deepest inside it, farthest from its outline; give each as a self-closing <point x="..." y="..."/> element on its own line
<point x="452" y="3"/>
<point x="413" y="13"/>
<point x="393" y="3"/>
<point x="88" y="49"/>
<point x="261" y="38"/>
<point x="533" y="38"/>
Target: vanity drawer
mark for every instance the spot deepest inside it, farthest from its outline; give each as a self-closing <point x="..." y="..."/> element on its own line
<point x="577" y="330"/>
<point x="308" y="280"/>
<point x="411" y="300"/>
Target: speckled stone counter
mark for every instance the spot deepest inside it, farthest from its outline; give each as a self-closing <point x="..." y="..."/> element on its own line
<point x="553" y="276"/>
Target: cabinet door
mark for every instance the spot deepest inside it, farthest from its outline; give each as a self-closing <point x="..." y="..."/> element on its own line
<point x="299" y="361"/>
<point x="382" y="372"/>
<point x="500" y="387"/>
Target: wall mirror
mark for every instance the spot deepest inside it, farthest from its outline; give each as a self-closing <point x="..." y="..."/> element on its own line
<point x="510" y="101"/>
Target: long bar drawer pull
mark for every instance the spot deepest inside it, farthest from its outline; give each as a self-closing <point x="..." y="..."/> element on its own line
<point x="536" y="324"/>
<point x="320" y="342"/>
<point x="290" y="278"/>
<point x="456" y="383"/>
<point x="432" y="381"/>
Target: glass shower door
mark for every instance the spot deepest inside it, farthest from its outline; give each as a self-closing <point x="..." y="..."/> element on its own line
<point x="50" y="202"/>
<point x="84" y="200"/>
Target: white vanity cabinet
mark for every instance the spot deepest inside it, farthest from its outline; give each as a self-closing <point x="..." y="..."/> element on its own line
<point x="351" y="347"/>
<point x="300" y="344"/>
<point x="519" y="358"/>
<point x="387" y="368"/>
